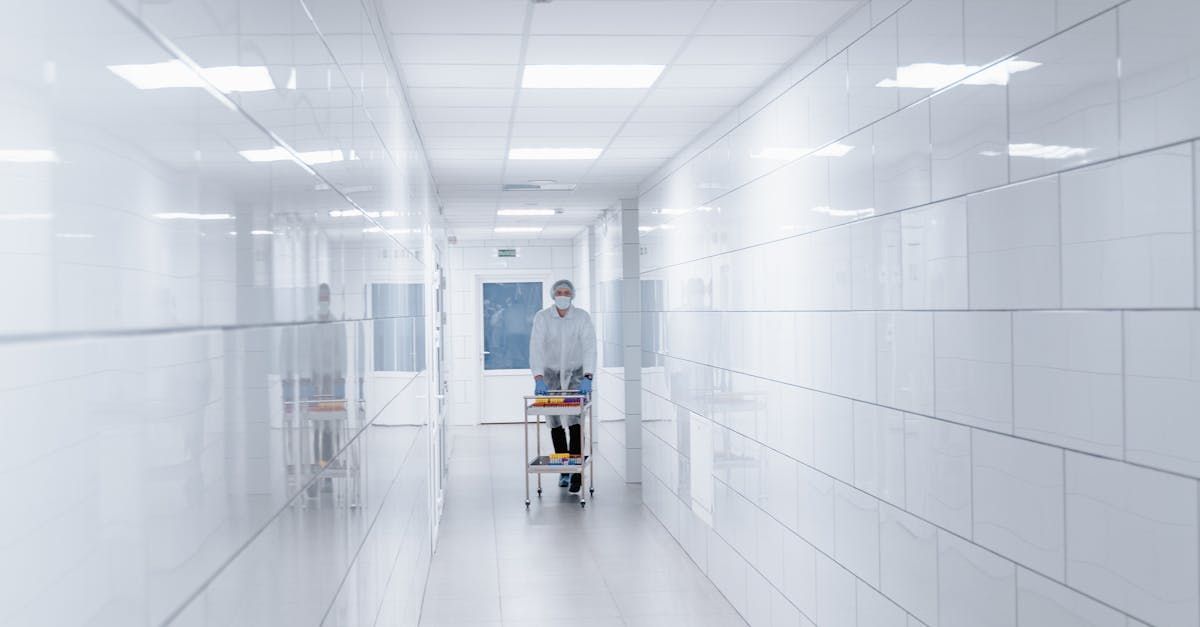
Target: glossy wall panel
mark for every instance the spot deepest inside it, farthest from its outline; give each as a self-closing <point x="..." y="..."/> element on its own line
<point x="202" y="204"/>
<point x="961" y="324"/>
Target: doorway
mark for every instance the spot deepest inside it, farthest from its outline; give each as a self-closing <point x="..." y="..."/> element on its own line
<point x="507" y="310"/>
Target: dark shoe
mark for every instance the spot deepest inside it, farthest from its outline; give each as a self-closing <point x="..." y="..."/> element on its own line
<point x="576" y="483"/>
<point x="563" y="479"/>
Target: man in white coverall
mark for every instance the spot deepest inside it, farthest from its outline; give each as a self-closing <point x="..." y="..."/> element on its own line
<point x="562" y="356"/>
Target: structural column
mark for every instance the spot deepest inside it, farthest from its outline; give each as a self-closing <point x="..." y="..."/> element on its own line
<point x="631" y="337"/>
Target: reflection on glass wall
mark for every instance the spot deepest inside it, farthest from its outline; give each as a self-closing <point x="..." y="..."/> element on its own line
<point x="508" y="311"/>
<point x="191" y="228"/>
<point x="399" y="313"/>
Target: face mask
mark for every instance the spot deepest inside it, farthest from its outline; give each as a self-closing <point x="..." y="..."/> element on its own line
<point x="562" y="302"/>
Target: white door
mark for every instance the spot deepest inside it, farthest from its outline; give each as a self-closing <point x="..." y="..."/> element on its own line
<point x="507" y="307"/>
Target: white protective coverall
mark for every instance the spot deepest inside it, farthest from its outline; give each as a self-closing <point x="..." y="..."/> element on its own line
<point x="562" y="349"/>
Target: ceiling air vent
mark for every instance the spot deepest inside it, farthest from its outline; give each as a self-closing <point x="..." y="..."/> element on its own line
<point x="539" y="187"/>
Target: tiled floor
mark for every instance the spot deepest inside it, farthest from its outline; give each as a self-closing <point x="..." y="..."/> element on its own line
<point x="611" y="564"/>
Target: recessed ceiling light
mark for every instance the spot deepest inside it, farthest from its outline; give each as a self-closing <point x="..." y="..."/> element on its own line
<point x="526" y="212"/>
<point x="255" y="232"/>
<point x="355" y="213"/>
<point x="844" y="213"/>
<point x="518" y="229"/>
<point x="791" y="153"/>
<point x="175" y="73"/>
<point x="25" y="217"/>
<point x="1041" y="151"/>
<point x="314" y="157"/>
<point x="28" y="156"/>
<point x="543" y="187"/>
<point x="375" y="229"/>
<point x="183" y="215"/>
<point x="939" y="75"/>
<point x="550" y="154"/>
<point x="834" y="150"/>
<point x="590" y="76"/>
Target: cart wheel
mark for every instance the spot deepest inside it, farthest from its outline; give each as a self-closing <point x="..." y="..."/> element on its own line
<point x="591" y="490"/>
<point x="539" y="491"/>
<point x="583" y="503"/>
<point x="526" y="504"/>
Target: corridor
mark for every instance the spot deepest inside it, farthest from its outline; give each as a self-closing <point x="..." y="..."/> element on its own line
<point x="609" y="565"/>
<point x="888" y="312"/>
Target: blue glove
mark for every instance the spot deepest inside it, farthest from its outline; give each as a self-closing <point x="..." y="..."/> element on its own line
<point x="585" y="386"/>
<point x="539" y="387"/>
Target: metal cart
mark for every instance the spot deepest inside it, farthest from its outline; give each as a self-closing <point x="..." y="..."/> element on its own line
<point x="540" y="464"/>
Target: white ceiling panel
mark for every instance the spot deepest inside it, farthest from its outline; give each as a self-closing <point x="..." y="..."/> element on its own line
<point x="476" y="49"/>
<point x="465" y="129"/>
<point x="460" y="143"/>
<point x="460" y="97"/>
<point x="428" y="115"/>
<point x="771" y="17"/>
<point x="501" y="76"/>
<point x="679" y="114"/>
<point x="743" y="49"/>
<point x="565" y="171"/>
<point x="666" y="143"/>
<point x="455" y="16"/>
<point x="717" y="75"/>
<point x="471" y="154"/>
<point x="601" y="49"/>
<point x="461" y="61"/>
<point x="663" y="129"/>
<point x="565" y="129"/>
<point x="573" y="114"/>
<point x="708" y="96"/>
<point x="628" y="98"/>
<point x="639" y="154"/>
<point x="618" y="17"/>
<point x="556" y="141"/>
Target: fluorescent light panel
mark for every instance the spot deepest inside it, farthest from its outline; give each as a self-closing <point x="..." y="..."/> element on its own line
<point x="10" y="155"/>
<point x="375" y="229"/>
<point x="590" y="76"/>
<point x="25" y="217"/>
<point x="939" y="75"/>
<point x="790" y="153"/>
<point x="183" y="215"/>
<point x="1041" y="151"/>
<point x="355" y="213"/>
<point x="314" y="157"/>
<point x="518" y="229"/>
<point x="554" y="154"/>
<point x="174" y="73"/>
<point x="526" y="212"/>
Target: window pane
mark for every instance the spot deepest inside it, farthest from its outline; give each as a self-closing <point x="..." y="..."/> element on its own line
<point x="399" y="312"/>
<point x="508" y="310"/>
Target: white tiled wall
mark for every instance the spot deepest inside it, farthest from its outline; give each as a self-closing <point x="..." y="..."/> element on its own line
<point x="945" y="362"/>
<point x="616" y="299"/>
<point x="152" y="362"/>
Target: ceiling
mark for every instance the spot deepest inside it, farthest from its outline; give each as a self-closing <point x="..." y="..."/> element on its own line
<point x="462" y="63"/>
